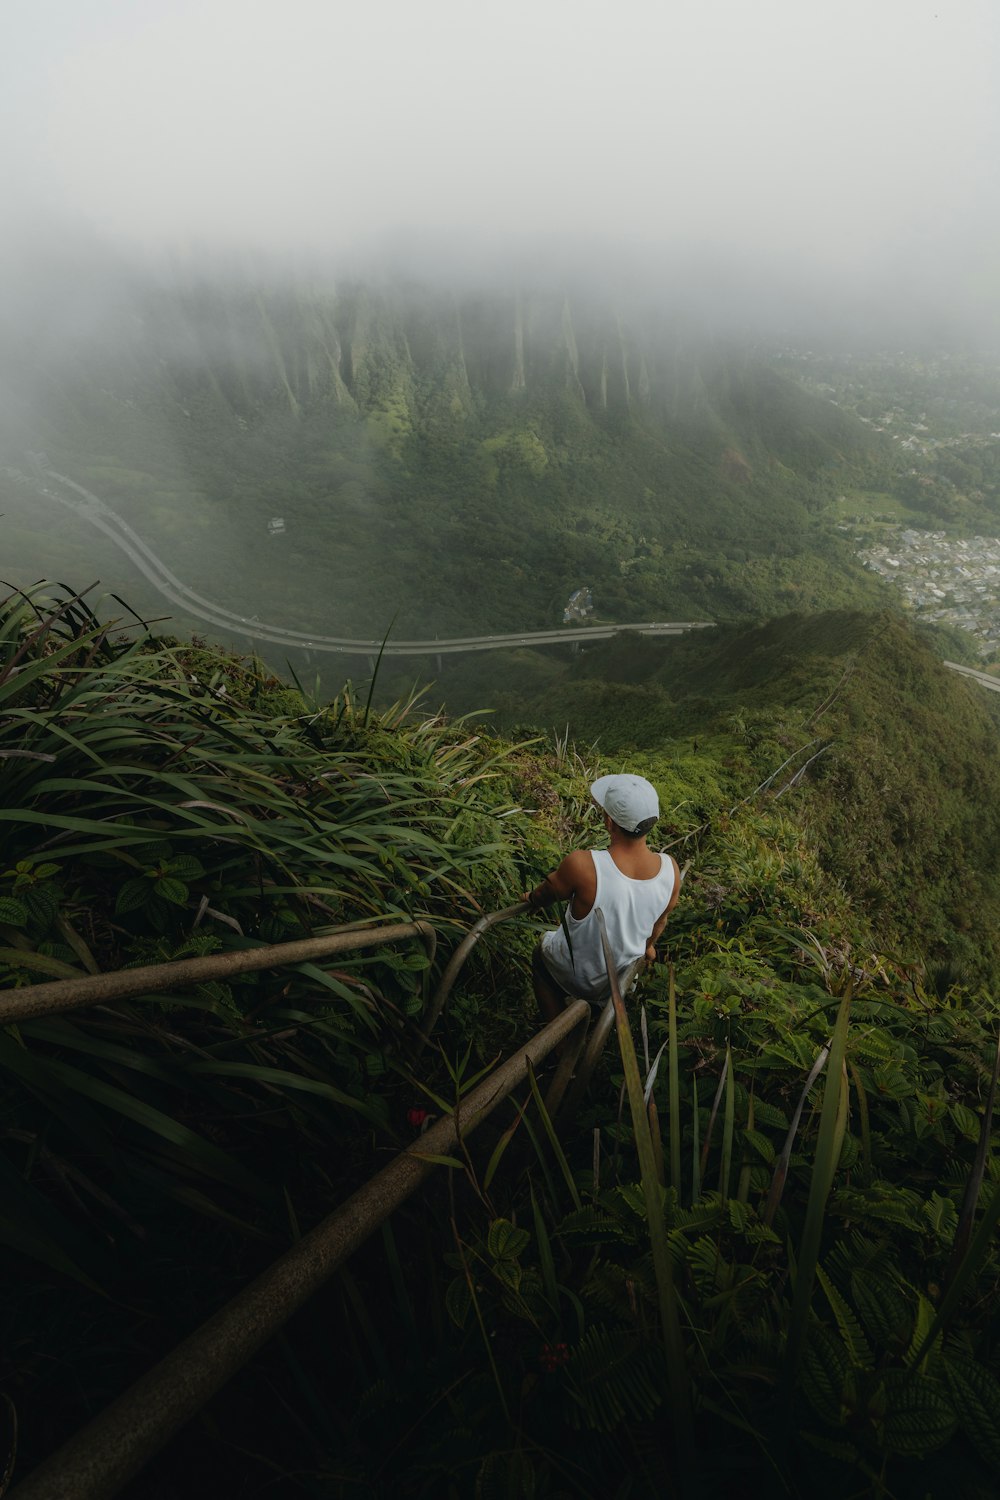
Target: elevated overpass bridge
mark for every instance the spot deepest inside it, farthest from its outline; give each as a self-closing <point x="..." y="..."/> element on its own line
<point x="99" y="514"/>
<point x="92" y="508"/>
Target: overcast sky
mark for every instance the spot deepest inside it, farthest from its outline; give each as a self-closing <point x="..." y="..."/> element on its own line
<point x="846" y="141"/>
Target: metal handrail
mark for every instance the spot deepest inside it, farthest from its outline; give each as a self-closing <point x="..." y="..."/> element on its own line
<point x="568" y="1085"/>
<point x="110" y="1450"/>
<point x="457" y="960"/>
<point x="151" y="979"/>
<point x="597" y="1040"/>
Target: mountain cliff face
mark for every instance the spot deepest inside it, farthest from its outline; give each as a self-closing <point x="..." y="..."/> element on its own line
<point x="475" y="457"/>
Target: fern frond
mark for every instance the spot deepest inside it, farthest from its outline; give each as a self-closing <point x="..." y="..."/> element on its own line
<point x="918" y="1416"/>
<point x="975" y="1395"/>
<point x="612" y="1378"/>
<point x="851" y="1332"/>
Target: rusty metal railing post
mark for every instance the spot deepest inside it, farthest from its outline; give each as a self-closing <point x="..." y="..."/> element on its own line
<point x="106" y="1454"/>
<point x="152" y="979"/>
<point x="456" y="961"/>
<point x="597" y="1041"/>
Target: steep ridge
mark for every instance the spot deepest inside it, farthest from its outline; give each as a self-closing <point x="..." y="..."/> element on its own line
<point x="472" y="458"/>
<point x="904" y="798"/>
<point x="188" y="804"/>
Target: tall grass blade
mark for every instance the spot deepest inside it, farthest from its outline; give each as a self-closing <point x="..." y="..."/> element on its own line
<point x="470" y="1282"/>
<point x="832" y="1123"/>
<point x="549" y="1129"/>
<point x="970" y="1198"/>
<point x="545" y="1258"/>
<point x="743" y="1187"/>
<point x="781" y="1165"/>
<point x="647" y="1092"/>
<point x="980" y="1247"/>
<point x="653" y="1121"/>
<point x="667" y="1298"/>
<point x="720" y="1089"/>
<point x="378" y="663"/>
<point x="498" y="1151"/>
<point x="840" y="1130"/>
<point x="695" y="1143"/>
<point x="864" y="1120"/>
<point x="674" y="1074"/>
<point x="542" y="1158"/>
<point x="728" y="1126"/>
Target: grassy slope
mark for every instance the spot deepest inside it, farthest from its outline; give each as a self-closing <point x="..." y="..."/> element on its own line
<point x="903" y="802"/>
<point x="763" y="940"/>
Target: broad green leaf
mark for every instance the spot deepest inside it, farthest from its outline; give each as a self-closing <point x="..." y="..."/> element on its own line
<point x="855" y="1343"/>
<point x="132" y="894"/>
<point x="881" y="1308"/>
<point x="966" y="1121"/>
<point x="171" y="890"/>
<point x="41" y="904"/>
<point x="504" y="1242"/>
<point x="942" y="1216"/>
<point x="918" y="1413"/>
<point x="975" y="1395"/>
<point x="824" y="1374"/>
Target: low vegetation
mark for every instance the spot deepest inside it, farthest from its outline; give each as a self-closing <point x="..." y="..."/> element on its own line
<point x="763" y="1250"/>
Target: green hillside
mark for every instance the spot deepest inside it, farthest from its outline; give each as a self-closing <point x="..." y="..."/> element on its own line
<point x="762" y="1281"/>
<point x="455" y="463"/>
<point x="902" y="742"/>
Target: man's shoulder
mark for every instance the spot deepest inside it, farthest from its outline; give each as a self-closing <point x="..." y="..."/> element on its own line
<point x="577" y="867"/>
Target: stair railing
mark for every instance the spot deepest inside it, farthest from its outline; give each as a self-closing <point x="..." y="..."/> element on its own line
<point x="116" y="1445"/>
<point x="457" y="960"/>
<point x="110" y="1450"/>
<point x="151" y="979"/>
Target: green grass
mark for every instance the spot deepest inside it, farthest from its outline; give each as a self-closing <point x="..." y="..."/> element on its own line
<point x="526" y="1324"/>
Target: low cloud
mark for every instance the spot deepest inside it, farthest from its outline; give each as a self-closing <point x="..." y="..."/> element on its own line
<point x="840" y="152"/>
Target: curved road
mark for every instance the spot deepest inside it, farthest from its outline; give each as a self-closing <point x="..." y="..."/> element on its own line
<point x="983" y="678"/>
<point x="92" y="508"/>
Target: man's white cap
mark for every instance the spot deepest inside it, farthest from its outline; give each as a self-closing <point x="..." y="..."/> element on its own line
<point x="630" y="801"/>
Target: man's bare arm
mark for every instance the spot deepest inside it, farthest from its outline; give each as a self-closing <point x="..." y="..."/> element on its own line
<point x="661" y="920"/>
<point x="562" y="882"/>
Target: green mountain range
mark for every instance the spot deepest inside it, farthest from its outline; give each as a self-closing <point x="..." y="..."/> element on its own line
<point x="764" y="1273"/>
<point x="449" y="462"/>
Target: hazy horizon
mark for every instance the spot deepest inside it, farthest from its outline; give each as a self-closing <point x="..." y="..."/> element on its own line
<point x="829" y="161"/>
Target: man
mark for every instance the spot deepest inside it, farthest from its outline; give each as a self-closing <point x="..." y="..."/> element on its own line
<point x="635" y="888"/>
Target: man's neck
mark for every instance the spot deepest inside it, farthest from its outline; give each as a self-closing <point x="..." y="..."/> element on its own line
<point x="622" y="841"/>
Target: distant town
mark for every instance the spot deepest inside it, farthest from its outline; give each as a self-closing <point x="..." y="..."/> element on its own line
<point x="950" y="580"/>
<point x="943" y="413"/>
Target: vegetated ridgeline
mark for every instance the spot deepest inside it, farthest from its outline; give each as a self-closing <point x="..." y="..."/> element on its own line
<point x="413" y="454"/>
<point x="225" y="623"/>
<point x="506" y="1335"/>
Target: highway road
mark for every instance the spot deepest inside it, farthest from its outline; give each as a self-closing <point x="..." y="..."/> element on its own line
<point x="983" y="678"/>
<point x="98" y="513"/>
<point x="92" y="508"/>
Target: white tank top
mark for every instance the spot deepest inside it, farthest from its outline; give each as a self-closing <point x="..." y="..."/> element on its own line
<point x="631" y="909"/>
